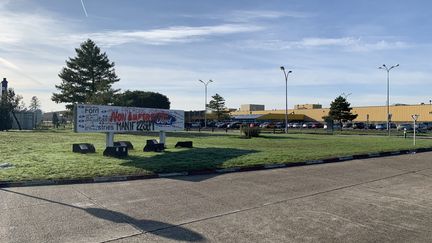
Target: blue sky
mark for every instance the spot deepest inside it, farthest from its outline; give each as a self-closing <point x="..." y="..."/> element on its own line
<point x="332" y="47"/>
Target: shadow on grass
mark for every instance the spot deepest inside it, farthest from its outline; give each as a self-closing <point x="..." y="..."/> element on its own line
<point x="284" y="137"/>
<point x="185" y="134"/>
<point x="162" y="229"/>
<point x="195" y="159"/>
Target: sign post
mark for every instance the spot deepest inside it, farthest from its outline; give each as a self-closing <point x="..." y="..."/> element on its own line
<point x="162" y="137"/>
<point x="109" y="139"/>
<point x="414" y="117"/>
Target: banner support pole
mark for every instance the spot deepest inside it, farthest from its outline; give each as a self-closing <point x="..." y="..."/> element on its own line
<point x="162" y="137"/>
<point x="109" y="139"/>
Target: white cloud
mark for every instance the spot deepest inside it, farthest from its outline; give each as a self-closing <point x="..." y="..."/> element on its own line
<point x="8" y="64"/>
<point x="246" y="16"/>
<point x="243" y="16"/>
<point x="351" y="43"/>
<point x="163" y="36"/>
<point x="347" y="43"/>
<point x="19" y="28"/>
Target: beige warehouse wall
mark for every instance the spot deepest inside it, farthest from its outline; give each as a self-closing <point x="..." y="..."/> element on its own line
<point x="376" y="113"/>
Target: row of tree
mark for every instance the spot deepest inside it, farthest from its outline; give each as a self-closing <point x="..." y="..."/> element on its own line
<point x="89" y="77"/>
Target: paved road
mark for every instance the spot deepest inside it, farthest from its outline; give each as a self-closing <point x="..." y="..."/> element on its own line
<point x="381" y="200"/>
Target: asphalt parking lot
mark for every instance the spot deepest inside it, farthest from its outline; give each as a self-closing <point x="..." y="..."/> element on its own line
<point x="374" y="200"/>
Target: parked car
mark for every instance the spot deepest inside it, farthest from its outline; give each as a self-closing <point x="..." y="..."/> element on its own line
<point x="347" y="125"/>
<point x="211" y="124"/>
<point x="404" y="126"/>
<point x="336" y="126"/>
<point x="380" y="126"/>
<point x="428" y="125"/>
<point x="234" y="125"/>
<point x="195" y="124"/>
<point x="421" y="127"/>
<point x="268" y="125"/>
<point x="221" y="124"/>
<point x="280" y="125"/>
<point x="317" y="125"/>
<point x="264" y="124"/>
<point x="370" y="126"/>
<point x="296" y="125"/>
<point x="252" y="124"/>
<point x="307" y="125"/>
<point x="358" y="125"/>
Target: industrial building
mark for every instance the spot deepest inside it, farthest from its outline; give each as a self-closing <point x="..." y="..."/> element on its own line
<point x="371" y="114"/>
<point x="252" y="107"/>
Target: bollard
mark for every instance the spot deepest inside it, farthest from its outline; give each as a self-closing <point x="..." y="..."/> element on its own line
<point x="405" y="133"/>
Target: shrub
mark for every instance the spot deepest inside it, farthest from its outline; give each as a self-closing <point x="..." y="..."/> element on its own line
<point x="252" y="131"/>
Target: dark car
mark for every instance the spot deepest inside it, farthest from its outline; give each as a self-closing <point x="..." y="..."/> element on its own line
<point x="347" y="125"/>
<point x="317" y="125"/>
<point x="358" y="125"/>
<point x="221" y="125"/>
<point x="370" y="126"/>
<point x="404" y="126"/>
<point x="307" y="125"/>
<point x="380" y="126"/>
<point x="211" y="124"/>
<point x="428" y="125"/>
<point x="234" y="125"/>
<point x="267" y="125"/>
<point x="280" y="124"/>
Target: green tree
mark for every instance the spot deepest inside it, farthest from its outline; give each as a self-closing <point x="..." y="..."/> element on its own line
<point x="9" y="104"/>
<point x="145" y="99"/>
<point x="340" y="110"/>
<point x="217" y="105"/>
<point x="34" y="103"/>
<point x="87" y="78"/>
<point x="5" y="111"/>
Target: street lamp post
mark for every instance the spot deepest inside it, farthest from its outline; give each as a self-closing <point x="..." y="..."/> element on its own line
<point x="286" y="96"/>
<point x="205" y="100"/>
<point x="384" y="67"/>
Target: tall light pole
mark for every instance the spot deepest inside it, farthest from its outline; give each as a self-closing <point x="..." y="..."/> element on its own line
<point x="205" y="104"/>
<point x="286" y="96"/>
<point x="384" y="67"/>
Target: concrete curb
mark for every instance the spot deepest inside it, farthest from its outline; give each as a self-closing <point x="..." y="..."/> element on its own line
<point x="4" y="184"/>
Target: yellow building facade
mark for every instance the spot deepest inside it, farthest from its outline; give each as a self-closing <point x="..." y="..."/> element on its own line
<point x="400" y="113"/>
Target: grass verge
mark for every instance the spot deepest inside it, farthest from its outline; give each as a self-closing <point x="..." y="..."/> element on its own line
<point x="47" y="155"/>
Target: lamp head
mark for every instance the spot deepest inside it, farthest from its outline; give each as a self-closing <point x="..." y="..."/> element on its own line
<point x="200" y="80"/>
<point x="210" y="81"/>
<point x="282" y="68"/>
<point x="289" y="71"/>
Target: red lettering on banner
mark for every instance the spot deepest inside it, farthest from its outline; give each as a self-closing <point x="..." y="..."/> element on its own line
<point x="157" y="117"/>
<point x="117" y="117"/>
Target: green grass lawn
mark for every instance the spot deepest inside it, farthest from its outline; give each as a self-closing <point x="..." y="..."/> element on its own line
<point x="48" y="154"/>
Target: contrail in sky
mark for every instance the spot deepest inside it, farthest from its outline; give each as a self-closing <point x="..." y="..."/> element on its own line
<point x="85" y="11"/>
